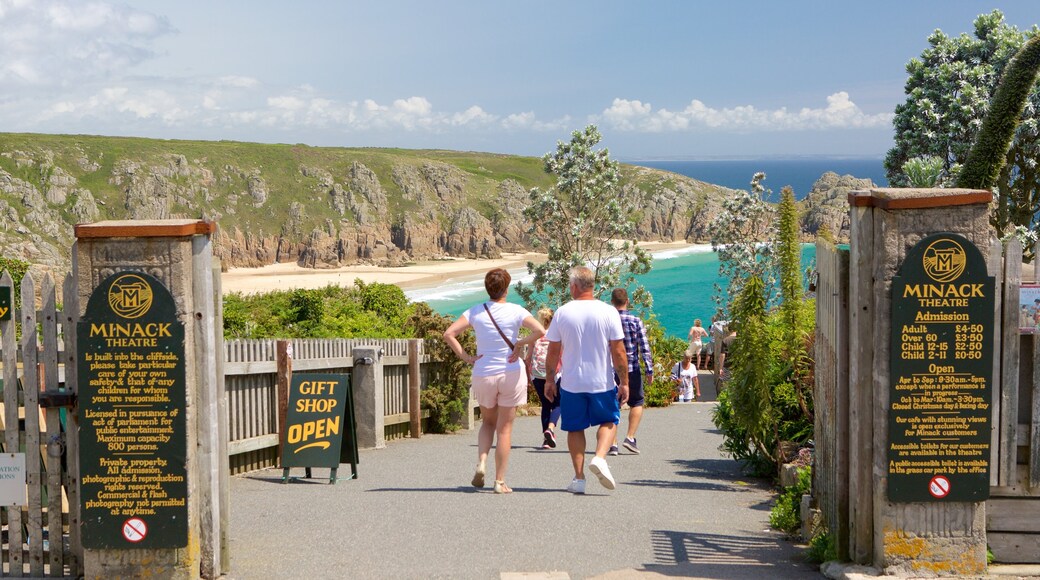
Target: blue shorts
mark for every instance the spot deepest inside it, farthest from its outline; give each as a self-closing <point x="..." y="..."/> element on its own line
<point x="579" y="411"/>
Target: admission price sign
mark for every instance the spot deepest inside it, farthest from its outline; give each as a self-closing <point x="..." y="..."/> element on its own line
<point x="941" y="374"/>
<point x="133" y="434"/>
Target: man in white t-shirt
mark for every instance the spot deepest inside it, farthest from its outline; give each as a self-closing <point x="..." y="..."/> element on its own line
<point x="587" y="335"/>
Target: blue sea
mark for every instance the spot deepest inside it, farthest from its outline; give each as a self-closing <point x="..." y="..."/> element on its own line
<point x="682" y="281"/>
<point x="800" y="173"/>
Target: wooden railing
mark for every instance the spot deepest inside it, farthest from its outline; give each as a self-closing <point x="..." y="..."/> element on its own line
<point x="250" y="374"/>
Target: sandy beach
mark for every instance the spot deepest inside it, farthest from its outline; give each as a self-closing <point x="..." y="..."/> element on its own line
<point x="420" y="275"/>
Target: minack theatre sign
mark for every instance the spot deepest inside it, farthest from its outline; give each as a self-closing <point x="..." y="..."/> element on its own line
<point x="132" y="425"/>
<point x="941" y="373"/>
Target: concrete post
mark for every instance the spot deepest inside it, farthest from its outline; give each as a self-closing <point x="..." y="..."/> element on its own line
<point x="368" y="396"/>
<point x="907" y="537"/>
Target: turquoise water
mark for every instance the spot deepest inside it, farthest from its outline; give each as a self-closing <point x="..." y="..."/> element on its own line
<point x="681" y="282"/>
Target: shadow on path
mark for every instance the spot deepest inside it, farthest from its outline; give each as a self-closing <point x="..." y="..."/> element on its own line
<point x="695" y="555"/>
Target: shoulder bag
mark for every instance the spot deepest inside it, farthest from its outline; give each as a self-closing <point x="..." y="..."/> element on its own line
<point x="500" y="333"/>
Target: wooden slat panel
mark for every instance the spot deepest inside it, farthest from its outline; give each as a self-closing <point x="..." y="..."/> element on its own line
<point x="1008" y="419"/>
<point x="1014" y="548"/>
<point x="1019" y="488"/>
<point x="53" y="442"/>
<point x="11" y="428"/>
<point x="253" y="443"/>
<point x="1012" y="515"/>
<point x="70" y="317"/>
<point x="861" y="387"/>
<point x="31" y="390"/>
<point x="996" y="267"/>
<point x="1034" y="432"/>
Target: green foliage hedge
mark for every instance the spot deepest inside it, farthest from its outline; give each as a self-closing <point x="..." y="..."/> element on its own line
<point x="361" y="311"/>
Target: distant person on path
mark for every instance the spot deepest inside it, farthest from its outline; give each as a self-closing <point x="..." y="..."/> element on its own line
<point x="499" y="379"/>
<point x="637" y="348"/>
<point x="696" y="337"/>
<point x="684" y="375"/>
<point x="587" y="335"/>
<point x="536" y="366"/>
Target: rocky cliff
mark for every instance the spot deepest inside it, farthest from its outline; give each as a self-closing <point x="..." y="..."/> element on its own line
<point x="827" y="205"/>
<point x="319" y="207"/>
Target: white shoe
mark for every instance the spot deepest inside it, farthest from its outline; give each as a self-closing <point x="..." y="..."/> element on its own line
<point x="576" y="486"/>
<point x="598" y="467"/>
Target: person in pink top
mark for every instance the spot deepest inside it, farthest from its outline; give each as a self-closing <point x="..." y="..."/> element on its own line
<point x="536" y="371"/>
<point x="499" y="378"/>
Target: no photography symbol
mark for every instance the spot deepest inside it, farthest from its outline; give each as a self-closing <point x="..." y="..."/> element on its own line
<point x="939" y="486"/>
<point x="134" y="530"/>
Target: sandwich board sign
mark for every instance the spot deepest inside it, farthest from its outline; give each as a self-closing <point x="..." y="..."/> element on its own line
<point x="321" y="409"/>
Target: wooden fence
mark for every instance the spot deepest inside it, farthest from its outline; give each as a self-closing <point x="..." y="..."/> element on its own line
<point x="250" y="372"/>
<point x="40" y="539"/>
<point x="1013" y="510"/>
<point x="37" y="358"/>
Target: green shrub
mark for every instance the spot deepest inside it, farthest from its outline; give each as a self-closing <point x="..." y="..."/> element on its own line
<point x="660" y="392"/>
<point x="17" y="268"/>
<point x="448" y="393"/>
<point x="445" y="408"/>
<point x="736" y="442"/>
<point x="785" y="515"/>
<point x="822" y="548"/>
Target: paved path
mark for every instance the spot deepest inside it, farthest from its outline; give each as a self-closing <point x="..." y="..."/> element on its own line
<point x="681" y="510"/>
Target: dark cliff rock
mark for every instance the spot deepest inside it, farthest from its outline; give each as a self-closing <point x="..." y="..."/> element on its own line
<point x="827" y="204"/>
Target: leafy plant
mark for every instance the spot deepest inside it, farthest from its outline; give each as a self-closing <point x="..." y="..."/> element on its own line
<point x="949" y="90"/>
<point x="767" y="401"/>
<point x="16" y="268"/>
<point x="785" y="515"/>
<point x="584" y="219"/>
<point x="924" y="171"/>
<point x="822" y="548"/>
<point x="746" y="221"/>
<point x="448" y="393"/>
<point x="988" y="154"/>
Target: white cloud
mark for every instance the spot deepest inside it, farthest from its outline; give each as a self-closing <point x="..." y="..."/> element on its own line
<point x="55" y="43"/>
<point x="840" y="113"/>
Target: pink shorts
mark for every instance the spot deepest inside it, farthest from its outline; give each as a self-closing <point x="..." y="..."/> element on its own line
<point x="501" y="390"/>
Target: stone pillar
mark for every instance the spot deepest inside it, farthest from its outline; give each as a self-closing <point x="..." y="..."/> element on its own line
<point x="368" y="396"/>
<point x="911" y="537"/>
<point x="170" y="256"/>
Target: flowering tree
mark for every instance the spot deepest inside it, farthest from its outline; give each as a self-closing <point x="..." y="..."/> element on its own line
<point x="739" y="236"/>
<point x="585" y="219"/>
<point x="949" y="90"/>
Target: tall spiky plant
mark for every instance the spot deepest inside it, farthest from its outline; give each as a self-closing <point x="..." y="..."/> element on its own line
<point x="989" y="152"/>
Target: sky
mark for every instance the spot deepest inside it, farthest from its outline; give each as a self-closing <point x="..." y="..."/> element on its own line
<point x="661" y="79"/>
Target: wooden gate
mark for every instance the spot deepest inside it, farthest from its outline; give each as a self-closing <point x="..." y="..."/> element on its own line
<point x="39" y="537"/>
<point x="1013" y="510"/>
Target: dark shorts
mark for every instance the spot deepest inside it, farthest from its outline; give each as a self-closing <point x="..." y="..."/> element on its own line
<point x="636" y="393"/>
<point x="635" y="388"/>
<point x="579" y="411"/>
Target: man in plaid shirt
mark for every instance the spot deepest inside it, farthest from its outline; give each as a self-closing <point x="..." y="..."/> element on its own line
<point x="637" y="347"/>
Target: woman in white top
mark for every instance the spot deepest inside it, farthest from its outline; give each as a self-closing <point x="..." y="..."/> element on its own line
<point x="684" y="375"/>
<point x="499" y="378"/>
